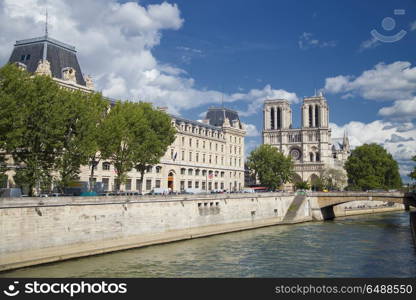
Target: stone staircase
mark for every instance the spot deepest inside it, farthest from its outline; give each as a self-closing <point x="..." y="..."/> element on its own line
<point x="294" y="208"/>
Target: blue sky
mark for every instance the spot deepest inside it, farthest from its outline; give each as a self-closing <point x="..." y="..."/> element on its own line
<point x="188" y="55"/>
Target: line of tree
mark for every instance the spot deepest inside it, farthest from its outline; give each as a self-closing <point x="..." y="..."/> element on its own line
<point x="50" y="132"/>
<point x="370" y="167"/>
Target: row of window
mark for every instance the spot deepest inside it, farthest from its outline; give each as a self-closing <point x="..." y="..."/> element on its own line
<point x="106" y="166"/>
<point x="197" y="143"/>
<point x="208" y="173"/>
<point x="157" y="184"/>
<point x="201" y="131"/>
<point x="205" y="158"/>
<point x="295" y="138"/>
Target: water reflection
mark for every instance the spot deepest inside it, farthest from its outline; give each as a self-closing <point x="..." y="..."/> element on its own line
<point x="360" y="246"/>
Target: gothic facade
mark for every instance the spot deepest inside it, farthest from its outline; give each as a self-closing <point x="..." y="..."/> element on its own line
<point x="311" y="146"/>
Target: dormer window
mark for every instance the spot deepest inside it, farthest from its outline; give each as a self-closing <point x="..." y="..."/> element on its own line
<point x="25" y="57"/>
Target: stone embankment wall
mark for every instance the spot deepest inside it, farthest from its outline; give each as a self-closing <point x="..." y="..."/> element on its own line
<point x="39" y="230"/>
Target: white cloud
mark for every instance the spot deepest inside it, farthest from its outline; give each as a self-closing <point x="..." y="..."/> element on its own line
<point x="369" y="44"/>
<point x="306" y="41"/>
<point x="251" y="130"/>
<point x="401" y="110"/>
<point x="401" y="145"/>
<point x="114" y="43"/>
<point x="384" y="82"/>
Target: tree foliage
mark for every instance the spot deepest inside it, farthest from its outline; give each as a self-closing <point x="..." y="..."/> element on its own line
<point x="32" y="111"/>
<point x="413" y="173"/>
<point x="302" y="185"/>
<point x="272" y="167"/>
<point x="50" y="132"/>
<point x="370" y="166"/>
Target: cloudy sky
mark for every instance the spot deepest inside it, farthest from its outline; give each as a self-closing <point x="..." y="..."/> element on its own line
<point x="189" y="55"/>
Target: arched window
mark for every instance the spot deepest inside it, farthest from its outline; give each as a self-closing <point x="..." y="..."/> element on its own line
<point x="317" y="121"/>
<point x="279" y="121"/>
<point x="310" y="116"/>
<point x="311" y="156"/>
<point x="318" y="157"/>
<point x="272" y="118"/>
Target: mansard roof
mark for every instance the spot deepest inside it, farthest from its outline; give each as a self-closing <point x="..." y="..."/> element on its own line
<point x="194" y="123"/>
<point x="59" y="55"/>
<point x="215" y="116"/>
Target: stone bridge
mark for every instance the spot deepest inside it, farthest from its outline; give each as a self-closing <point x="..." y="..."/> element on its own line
<point x="324" y="202"/>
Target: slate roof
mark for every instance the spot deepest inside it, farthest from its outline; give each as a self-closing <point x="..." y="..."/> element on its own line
<point x="215" y="115"/>
<point x="59" y="55"/>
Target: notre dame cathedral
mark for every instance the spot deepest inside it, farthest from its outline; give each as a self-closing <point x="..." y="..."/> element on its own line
<point x="311" y="146"/>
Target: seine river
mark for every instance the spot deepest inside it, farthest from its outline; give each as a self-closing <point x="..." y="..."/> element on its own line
<point x="361" y="246"/>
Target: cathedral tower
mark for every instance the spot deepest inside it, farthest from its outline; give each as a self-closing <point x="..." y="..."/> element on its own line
<point x="277" y="114"/>
<point x="315" y="112"/>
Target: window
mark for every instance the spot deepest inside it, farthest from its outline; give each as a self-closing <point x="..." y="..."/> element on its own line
<point x="222" y="148"/>
<point x="157" y="183"/>
<point x="116" y="184"/>
<point x="25" y="57"/>
<point x="203" y="145"/>
<point x="183" y="141"/>
<point x="190" y="171"/>
<point x="128" y="184"/>
<point x="210" y="146"/>
<point x="204" y="185"/>
<point x="216" y="185"/>
<point x="204" y="172"/>
<point x="318" y="158"/>
<point x="210" y="185"/>
<point x="183" y="170"/>
<point x="197" y="172"/>
<point x="216" y="147"/>
<point x="222" y="160"/>
<point x="106" y="182"/>
<point x="106" y="166"/>
<point x="182" y="185"/>
<point x="190" y="156"/>
<point x="203" y="158"/>
<point x="138" y="185"/>
<point x="222" y="174"/>
<point x="197" y="184"/>
<point x="189" y="184"/>
<point x="197" y="157"/>
<point x="148" y="184"/>
<point x="149" y="169"/>
<point x="183" y="155"/>
<point x="222" y="185"/>
<point x="216" y="159"/>
<point x="311" y="156"/>
<point x="190" y="142"/>
<point x="158" y="169"/>
<point x="210" y="161"/>
<point x="197" y="143"/>
<point x="171" y="153"/>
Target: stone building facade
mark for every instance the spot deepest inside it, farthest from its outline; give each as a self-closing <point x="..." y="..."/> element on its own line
<point x="311" y="146"/>
<point x="205" y="155"/>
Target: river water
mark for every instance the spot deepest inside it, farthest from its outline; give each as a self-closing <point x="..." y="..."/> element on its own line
<point x="361" y="246"/>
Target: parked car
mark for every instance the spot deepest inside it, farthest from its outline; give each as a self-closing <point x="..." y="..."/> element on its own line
<point x="248" y="190"/>
<point x="159" y="191"/>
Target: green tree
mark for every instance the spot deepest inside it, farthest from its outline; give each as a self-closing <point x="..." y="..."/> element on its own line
<point x="32" y="126"/>
<point x="413" y="173"/>
<point x="84" y="115"/>
<point x="272" y="167"/>
<point x="302" y="185"/>
<point x="136" y="136"/>
<point x="155" y="142"/>
<point x="370" y="166"/>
